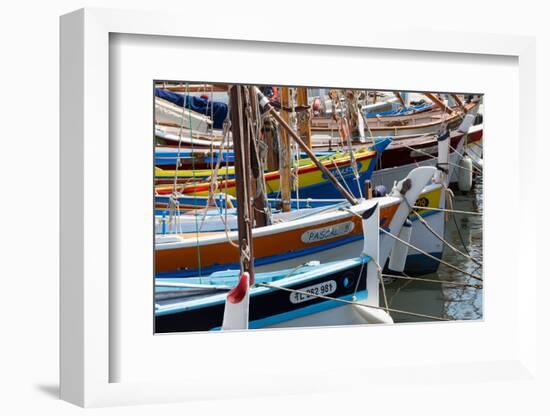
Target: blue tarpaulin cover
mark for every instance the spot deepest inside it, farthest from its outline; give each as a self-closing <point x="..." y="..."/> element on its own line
<point x="198" y="104"/>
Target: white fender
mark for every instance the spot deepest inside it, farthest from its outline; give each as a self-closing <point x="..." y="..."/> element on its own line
<point x="235" y="315"/>
<point x="465" y="174"/>
<point x="398" y="256"/>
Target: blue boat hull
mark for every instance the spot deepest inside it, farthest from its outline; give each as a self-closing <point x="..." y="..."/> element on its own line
<point x="269" y="306"/>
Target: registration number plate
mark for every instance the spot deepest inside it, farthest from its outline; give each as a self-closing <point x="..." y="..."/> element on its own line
<point x="324" y="289"/>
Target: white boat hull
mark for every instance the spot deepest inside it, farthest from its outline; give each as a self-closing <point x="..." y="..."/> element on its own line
<point x="170" y="114"/>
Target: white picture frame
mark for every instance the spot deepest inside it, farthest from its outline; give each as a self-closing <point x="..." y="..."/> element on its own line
<point x="86" y="352"/>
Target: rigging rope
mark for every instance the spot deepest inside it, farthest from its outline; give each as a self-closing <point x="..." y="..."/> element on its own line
<point x="450" y="195"/>
<point x="194" y="183"/>
<point x="430" y="256"/>
<point x="448" y="210"/>
<point x="440" y="238"/>
<point x="461" y="156"/>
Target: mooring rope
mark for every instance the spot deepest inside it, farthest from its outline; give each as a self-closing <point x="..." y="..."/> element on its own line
<point x="430" y="256"/>
<point x="351" y="302"/>
<point x="424" y="252"/>
<point x="454" y="211"/>
<point x="342" y="177"/>
<point x="214" y="178"/>
<point x="371" y="136"/>
<point x="456" y="166"/>
<point x="440" y="238"/>
<point x="471" y="149"/>
<point x="435" y="157"/>
<point x="194" y="184"/>
<point x="461" y="156"/>
<point x="381" y="280"/>
<point x="450" y="195"/>
<point x="353" y="163"/>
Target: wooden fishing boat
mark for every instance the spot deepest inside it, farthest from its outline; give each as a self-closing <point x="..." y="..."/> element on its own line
<point x="223" y="218"/>
<point x="215" y="204"/>
<point x="312" y="182"/>
<point x="186" y="158"/>
<point x="417" y="262"/>
<point x="398" y="159"/>
<point x="401" y="158"/>
<point x="326" y="236"/>
<point x="197" y="304"/>
<point x="220" y="218"/>
<point x="405" y="153"/>
<point x="168" y="157"/>
<point x="325" y="130"/>
<point x="225" y="171"/>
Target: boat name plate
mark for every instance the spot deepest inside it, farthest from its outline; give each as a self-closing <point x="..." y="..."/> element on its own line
<point x="326" y="233"/>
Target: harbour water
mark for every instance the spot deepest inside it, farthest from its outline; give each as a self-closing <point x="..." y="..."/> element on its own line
<point x="448" y="301"/>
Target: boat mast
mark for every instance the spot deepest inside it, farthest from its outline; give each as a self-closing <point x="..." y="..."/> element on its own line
<point x="304" y="116"/>
<point x="261" y="217"/>
<point x="269" y="132"/>
<point x="354" y="118"/>
<point x="241" y="148"/>
<point x="285" y="153"/>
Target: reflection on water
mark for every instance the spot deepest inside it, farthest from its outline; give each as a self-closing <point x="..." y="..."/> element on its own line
<point x="451" y="302"/>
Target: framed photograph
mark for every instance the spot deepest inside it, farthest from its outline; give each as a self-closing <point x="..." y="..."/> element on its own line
<point x="257" y="215"/>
